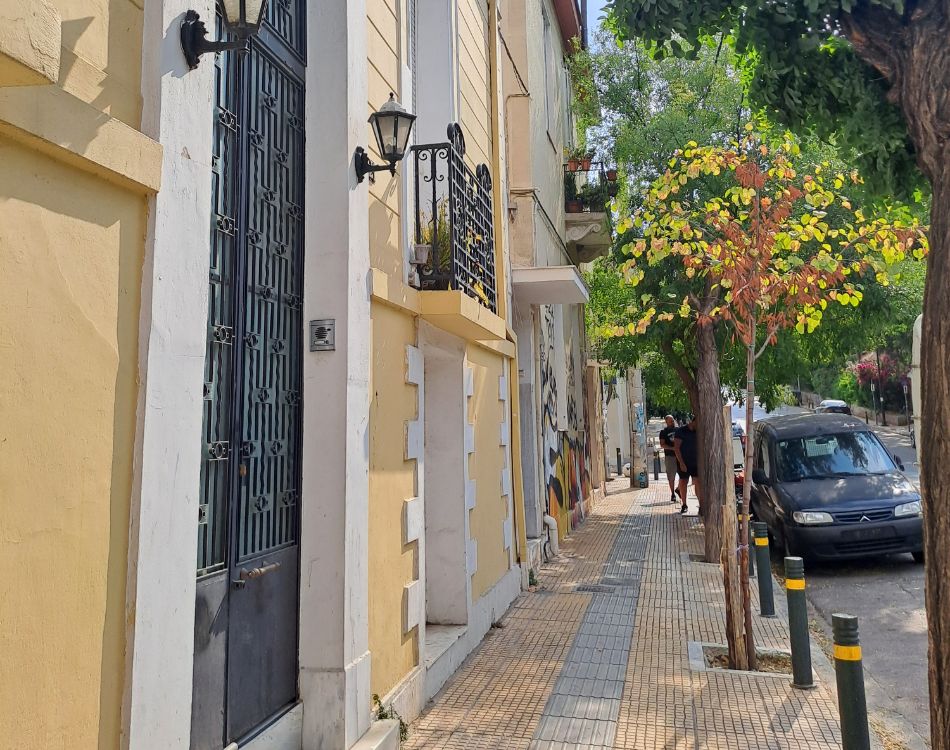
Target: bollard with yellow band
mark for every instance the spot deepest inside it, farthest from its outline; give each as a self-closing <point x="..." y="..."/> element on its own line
<point x="760" y="534"/>
<point x="849" y="675"/>
<point x="798" y="623"/>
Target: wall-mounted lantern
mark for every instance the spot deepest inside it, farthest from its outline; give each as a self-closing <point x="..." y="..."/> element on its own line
<point x="391" y="126"/>
<point x="241" y="17"/>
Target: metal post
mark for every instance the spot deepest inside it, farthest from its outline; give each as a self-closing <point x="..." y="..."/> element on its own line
<point x="906" y="410"/>
<point x="760" y="532"/>
<point x="656" y="466"/>
<point x="750" y="542"/>
<point x="849" y="676"/>
<point x="880" y="388"/>
<point x="798" y="623"/>
<point x="619" y="464"/>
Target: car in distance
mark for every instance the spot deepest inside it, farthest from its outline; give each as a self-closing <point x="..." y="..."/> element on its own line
<point x="832" y="406"/>
<point x="827" y="488"/>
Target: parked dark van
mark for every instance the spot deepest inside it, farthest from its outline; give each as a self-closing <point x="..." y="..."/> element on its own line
<point x="827" y="488"/>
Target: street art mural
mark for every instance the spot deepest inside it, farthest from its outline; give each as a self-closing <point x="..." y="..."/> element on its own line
<point x="566" y="451"/>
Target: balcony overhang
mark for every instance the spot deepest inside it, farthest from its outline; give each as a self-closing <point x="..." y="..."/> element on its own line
<point x="457" y="313"/>
<point x="570" y="22"/>
<point x="587" y="235"/>
<point x="549" y="285"/>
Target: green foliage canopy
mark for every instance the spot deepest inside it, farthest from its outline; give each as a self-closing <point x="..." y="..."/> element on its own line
<point x="804" y="73"/>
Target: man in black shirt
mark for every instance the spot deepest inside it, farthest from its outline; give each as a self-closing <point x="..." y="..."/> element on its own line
<point x="669" y="453"/>
<point x="687" y="456"/>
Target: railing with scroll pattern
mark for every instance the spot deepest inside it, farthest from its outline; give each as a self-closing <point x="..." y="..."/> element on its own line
<point x="454" y="220"/>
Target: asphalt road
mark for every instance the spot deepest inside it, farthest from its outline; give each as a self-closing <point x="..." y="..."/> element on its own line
<point x="887" y="595"/>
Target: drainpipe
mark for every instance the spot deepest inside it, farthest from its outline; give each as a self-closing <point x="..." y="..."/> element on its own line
<point x="501" y="291"/>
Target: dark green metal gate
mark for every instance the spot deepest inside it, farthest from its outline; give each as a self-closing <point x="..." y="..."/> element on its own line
<point x="246" y="611"/>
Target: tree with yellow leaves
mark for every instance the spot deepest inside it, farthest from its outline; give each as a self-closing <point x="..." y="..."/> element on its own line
<point x="775" y="248"/>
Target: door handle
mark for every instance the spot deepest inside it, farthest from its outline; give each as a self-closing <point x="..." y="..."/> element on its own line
<point x="246" y="575"/>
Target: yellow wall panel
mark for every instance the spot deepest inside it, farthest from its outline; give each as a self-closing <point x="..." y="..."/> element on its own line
<point x="384" y="16"/>
<point x="102" y="55"/>
<point x="71" y="251"/>
<point x="384" y="232"/>
<point x="491" y="509"/>
<point x="392" y="564"/>
<point x="383" y="56"/>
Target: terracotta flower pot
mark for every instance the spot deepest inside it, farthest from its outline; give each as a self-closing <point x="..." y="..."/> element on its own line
<point x="574" y="207"/>
<point x="611" y="175"/>
<point x="573" y="164"/>
<point x="585" y="163"/>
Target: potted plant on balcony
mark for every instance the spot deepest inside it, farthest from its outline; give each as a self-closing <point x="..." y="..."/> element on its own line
<point x="611" y="175"/>
<point x="574" y="157"/>
<point x="433" y="254"/>
<point x="594" y="196"/>
<point x="586" y="159"/>
<point x="572" y="204"/>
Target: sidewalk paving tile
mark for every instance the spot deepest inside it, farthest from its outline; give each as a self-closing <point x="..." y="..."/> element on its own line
<point x="596" y="657"/>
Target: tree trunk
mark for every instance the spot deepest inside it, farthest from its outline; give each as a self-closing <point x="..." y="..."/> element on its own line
<point x="746" y="496"/>
<point x="683" y="372"/>
<point x="731" y="572"/>
<point x="913" y="55"/>
<point x="935" y="457"/>
<point x="711" y="448"/>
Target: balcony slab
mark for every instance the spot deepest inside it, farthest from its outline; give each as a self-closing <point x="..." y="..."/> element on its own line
<point x="549" y="285"/>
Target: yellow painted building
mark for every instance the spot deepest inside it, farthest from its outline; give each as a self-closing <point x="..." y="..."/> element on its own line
<point x="75" y="175"/>
<point x="259" y="446"/>
<point x="443" y="547"/>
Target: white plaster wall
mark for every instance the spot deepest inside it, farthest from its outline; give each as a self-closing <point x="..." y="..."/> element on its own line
<point x="548" y="156"/>
<point x="437" y="97"/>
<point x="525" y="325"/>
<point x="177" y="112"/>
<point x="334" y="624"/>
<point x="446" y="599"/>
<point x="618" y="426"/>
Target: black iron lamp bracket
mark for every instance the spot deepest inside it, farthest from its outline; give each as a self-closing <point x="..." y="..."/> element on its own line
<point x="365" y="166"/>
<point x="195" y="43"/>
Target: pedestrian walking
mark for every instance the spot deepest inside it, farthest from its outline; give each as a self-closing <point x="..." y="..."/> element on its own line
<point x="686" y="446"/>
<point x="669" y="454"/>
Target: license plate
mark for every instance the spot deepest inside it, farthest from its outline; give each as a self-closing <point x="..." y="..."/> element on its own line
<point x="874" y="532"/>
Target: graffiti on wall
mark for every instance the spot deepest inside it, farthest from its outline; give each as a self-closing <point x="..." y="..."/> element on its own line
<point x="566" y="451"/>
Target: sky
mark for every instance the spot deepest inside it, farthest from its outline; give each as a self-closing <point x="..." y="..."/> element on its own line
<point x="594" y="11"/>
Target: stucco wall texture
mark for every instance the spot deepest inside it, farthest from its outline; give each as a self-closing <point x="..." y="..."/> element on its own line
<point x="392" y="563"/>
<point x="491" y="509"/>
<point x="71" y="252"/>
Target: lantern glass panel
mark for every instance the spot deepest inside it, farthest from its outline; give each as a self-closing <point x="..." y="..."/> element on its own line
<point x="403" y="129"/>
<point x="253" y="10"/>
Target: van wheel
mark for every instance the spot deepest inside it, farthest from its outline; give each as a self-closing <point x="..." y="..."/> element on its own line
<point x="918" y="556"/>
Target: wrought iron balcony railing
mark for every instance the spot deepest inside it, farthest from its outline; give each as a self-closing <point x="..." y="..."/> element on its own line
<point x="455" y="241"/>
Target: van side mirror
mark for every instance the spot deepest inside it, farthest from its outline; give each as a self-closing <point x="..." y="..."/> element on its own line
<point x="759" y="476"/>
<point x="897" y="460"/>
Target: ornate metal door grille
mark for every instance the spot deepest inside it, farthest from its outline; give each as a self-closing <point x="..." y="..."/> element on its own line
<point x="246" y="609"/>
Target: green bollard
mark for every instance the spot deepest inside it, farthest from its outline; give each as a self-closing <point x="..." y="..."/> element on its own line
<point x="798" y="623"/>
<point x="849" y="675"/>
<point x="751" y="545"/>
<point x="760" y="533"/>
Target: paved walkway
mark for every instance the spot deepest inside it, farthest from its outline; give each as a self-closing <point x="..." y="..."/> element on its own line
<point x="597" y="657"/>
